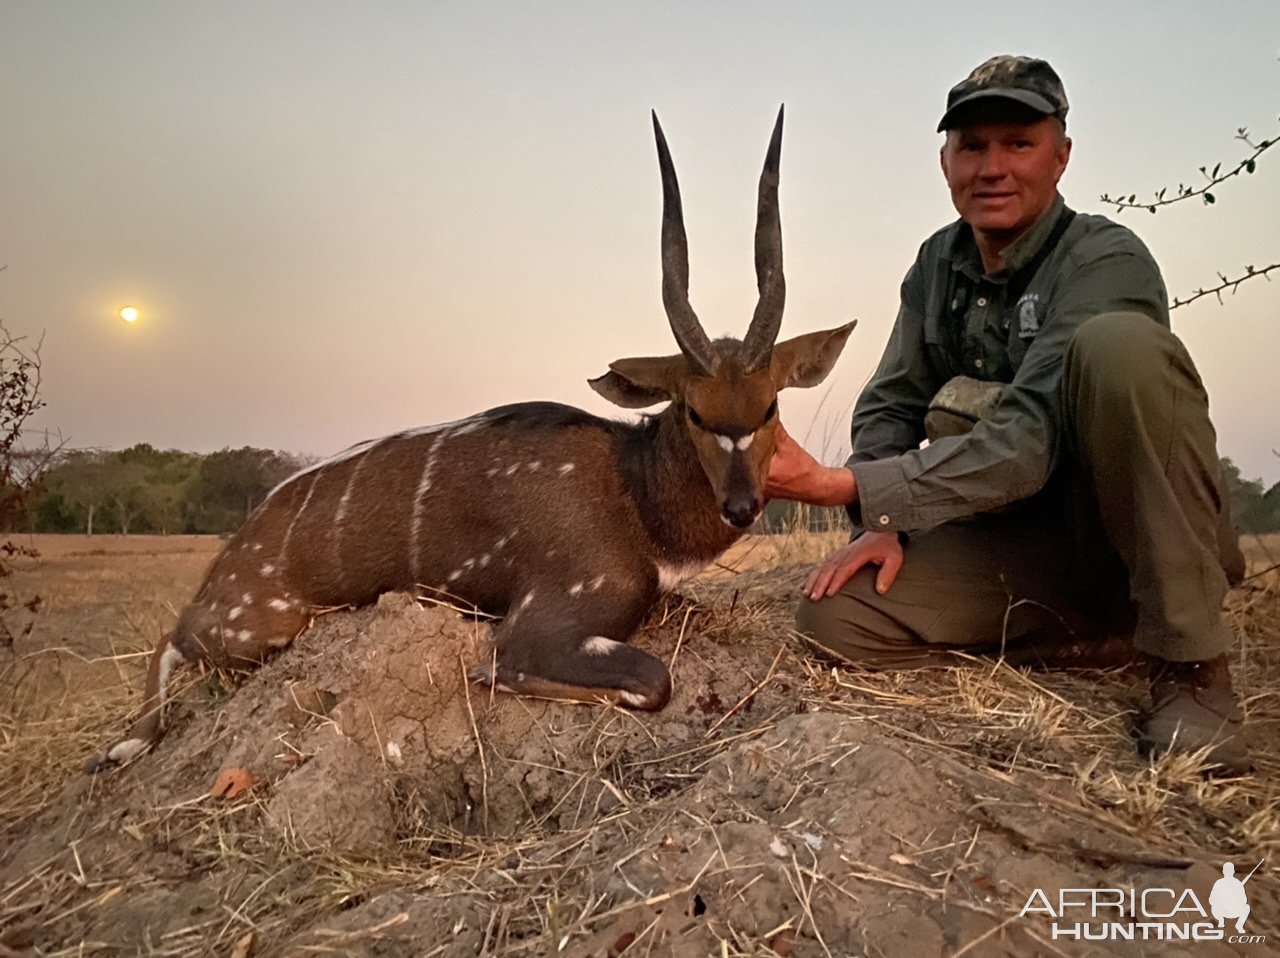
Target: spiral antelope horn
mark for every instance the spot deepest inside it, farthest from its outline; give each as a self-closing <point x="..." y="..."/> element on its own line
<point x="688" y="331"/>
<point x="767" y="319"/>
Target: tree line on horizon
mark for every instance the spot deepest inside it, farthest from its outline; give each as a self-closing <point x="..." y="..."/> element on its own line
<point x="147" y="490"/>
<point x="144" y="490"/>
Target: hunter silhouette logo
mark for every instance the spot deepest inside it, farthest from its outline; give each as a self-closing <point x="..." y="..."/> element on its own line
<point x="1148" y="914"/>
<point x="1228" y="898"/>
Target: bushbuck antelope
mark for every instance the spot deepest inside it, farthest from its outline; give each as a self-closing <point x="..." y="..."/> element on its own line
<point x="566" y="525"/>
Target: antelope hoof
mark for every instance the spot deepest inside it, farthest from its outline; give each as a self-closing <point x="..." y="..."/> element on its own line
<point x="122" y="753"/>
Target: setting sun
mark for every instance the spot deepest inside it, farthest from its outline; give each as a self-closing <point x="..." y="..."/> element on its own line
<point x="129" y="314"/>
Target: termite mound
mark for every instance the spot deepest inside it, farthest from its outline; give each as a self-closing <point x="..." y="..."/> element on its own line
<point x="366" y="730"/>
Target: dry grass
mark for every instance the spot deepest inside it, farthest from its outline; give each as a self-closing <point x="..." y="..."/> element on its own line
<point x="62" y="698"/>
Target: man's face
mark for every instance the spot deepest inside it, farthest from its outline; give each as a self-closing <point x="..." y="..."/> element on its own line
<point x="1003" y="174"/>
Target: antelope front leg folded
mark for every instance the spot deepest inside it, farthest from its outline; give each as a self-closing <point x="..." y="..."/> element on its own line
<point x="569" y="642"/>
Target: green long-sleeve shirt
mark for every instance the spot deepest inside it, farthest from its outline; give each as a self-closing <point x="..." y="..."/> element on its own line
<point x="955" y="320"/>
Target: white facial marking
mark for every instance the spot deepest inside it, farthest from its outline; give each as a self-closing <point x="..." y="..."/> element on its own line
<point x="670" y="576"/>
<point x="279" y="605"/>
<point x="744" y="443"/>
<point x="724" y="442"/>
<point x="565" y="469"/>
<point x="599" y="645"/>
<point x="235" y="614"/>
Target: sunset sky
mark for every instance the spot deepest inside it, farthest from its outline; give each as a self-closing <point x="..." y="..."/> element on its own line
<point x="341" y="220"/>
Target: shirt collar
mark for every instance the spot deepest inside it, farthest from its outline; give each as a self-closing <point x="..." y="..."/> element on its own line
<point x="964" y="253"/>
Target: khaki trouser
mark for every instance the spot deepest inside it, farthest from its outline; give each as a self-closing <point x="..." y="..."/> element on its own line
<point x="1132" y="533"/>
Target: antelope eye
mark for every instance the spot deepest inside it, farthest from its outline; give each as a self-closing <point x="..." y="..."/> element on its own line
<point x="694" y="417"/>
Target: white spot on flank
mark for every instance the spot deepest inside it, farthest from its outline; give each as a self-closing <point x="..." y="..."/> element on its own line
<point x="565" y="469"/>
<point x="235" y="614"/>
<point x="535" y="466"/>
<point x="524" y="603"/>
<point x="257" y="547"/>
<point x="279" y="605"/>
<point x="244" y="635"/>
<point x="599" y="645"/>
<point x="484" y="560"/>
<point x="670" y="576"/>
<point x="232" y="577"/>
<point x="268" y="569"/>
<point x="596" y="583"/>
<point x="491" y="472"/>
<point x="455" y="575"/>
<point x="632" y="698"/>
<point x="511" y="470"/>
<point x="247" y="598"/>
<point x="575" y="590"/>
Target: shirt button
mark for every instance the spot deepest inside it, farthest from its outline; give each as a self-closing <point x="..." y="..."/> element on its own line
<point x="982" y="301"/>
<point x="977" y="364"/>
<point x="884" y="520"/>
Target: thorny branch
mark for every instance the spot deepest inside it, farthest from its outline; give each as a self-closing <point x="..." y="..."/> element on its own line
<point x="1213" y="178"/>
<point x="1226" y="284"/>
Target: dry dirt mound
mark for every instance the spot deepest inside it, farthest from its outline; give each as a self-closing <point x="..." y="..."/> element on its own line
<point x="774" y="807"/>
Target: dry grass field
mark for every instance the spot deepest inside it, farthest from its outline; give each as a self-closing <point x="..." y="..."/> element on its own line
<point x="778" y="806"/>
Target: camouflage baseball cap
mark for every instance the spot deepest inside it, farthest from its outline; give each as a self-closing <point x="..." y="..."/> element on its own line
<point x="1024" y="80"/>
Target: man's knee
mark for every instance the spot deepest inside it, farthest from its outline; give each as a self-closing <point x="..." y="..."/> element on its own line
<point x="1114" y="347"/>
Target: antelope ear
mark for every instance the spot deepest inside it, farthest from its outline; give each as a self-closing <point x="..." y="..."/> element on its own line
<point x="636" y="383"/>
<point x="806" y="360"/>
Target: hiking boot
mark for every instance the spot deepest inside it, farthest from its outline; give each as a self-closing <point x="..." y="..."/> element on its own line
<point x="1193" y="707"/>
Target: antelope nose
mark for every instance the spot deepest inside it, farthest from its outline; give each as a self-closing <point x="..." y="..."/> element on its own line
<point x="741" y="511"/>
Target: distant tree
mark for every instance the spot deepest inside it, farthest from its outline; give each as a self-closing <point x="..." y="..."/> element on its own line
<point x="1253" y="509"/>
<point x="230" y="484"/>
<point x="20" y="469"/>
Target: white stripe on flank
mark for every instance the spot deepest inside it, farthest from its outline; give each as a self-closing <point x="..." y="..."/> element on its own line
<point x="284" y="545"/>
<point x="458" y="427"/>
<point x="424" y="484"/>
<point x="341" y="512"/>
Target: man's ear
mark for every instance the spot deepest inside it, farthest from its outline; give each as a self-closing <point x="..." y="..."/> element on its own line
<point x="636" y="383"/>
<point x="806" y="360"/>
